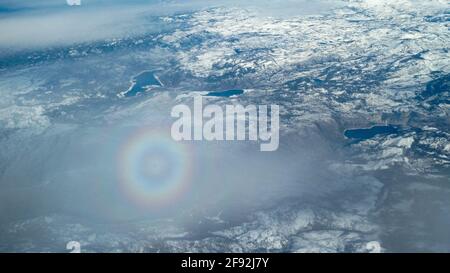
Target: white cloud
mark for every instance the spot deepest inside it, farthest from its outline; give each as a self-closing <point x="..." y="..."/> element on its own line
<point x="68" y="27"/>
<point x="50" y="22"/>
<point x="73" y="2"/>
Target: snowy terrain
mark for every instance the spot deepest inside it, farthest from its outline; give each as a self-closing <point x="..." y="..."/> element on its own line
<point x="64" y="110"/>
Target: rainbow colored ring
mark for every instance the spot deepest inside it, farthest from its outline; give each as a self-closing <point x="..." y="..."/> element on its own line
<point x="154" y="170"/>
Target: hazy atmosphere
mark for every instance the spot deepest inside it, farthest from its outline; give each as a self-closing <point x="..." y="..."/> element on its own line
<point x="86" y="153"/>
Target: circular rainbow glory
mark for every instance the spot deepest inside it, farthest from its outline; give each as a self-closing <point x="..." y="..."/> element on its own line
<point x="154" y="170"/>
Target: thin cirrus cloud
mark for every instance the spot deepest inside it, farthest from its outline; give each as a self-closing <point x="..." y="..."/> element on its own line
<point x="37" y="28"/>
<point x="32" y="25"/>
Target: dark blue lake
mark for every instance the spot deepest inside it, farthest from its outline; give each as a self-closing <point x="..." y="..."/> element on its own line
<point x="141" y="83"/>
<point x="366" y="133"/>
<point x="226" y="93"/>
